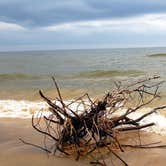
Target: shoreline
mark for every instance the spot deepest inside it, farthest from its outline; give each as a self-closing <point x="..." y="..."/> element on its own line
<point x="24" y="108"/>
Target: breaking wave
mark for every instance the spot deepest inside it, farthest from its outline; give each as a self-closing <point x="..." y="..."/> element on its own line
<point x="19" y="76"/>
<point x="157" y="55"/>
<point x="110" y="73"/>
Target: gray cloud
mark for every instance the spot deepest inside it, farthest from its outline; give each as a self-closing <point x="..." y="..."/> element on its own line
<point x="36" y="13"/>
<point x="52" y="24"/>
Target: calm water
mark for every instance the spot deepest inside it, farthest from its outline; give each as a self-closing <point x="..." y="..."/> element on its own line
<point x="93" y="70"/>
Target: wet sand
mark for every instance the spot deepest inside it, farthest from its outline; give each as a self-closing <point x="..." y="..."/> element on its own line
<point x="33" y="94"/>
<point x="15" y="153"/>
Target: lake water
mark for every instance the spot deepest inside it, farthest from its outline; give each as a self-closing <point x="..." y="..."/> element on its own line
<point x="90" y="70"/>
<point x="22" y="74"/>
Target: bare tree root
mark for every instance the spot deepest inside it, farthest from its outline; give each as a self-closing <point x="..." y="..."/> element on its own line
<point x="97" y="125"/>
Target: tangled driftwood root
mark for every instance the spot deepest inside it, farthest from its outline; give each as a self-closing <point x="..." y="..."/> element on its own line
<point x="95" y="127"/>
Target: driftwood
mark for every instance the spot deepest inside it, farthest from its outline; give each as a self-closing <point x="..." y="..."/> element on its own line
<point x="94" y="128"/>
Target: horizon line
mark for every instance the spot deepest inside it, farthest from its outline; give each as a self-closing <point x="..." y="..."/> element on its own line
<point x="75" y="49"/>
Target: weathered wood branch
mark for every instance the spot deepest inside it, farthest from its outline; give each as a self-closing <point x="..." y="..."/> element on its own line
<point x="97" y="126"/>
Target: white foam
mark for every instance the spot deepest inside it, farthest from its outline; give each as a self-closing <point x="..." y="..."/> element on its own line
<point x="20" y="109"/>
<point x="156" y="117"/>
<point x="25" y="109"/>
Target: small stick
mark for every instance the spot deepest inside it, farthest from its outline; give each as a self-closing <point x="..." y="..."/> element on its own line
<point x="36" y="146"/>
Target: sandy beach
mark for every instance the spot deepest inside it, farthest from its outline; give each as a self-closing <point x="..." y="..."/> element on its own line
<point x="13" y="152"/>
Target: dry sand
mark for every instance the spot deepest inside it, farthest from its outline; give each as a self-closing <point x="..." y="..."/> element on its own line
<point x="14" y="153"/>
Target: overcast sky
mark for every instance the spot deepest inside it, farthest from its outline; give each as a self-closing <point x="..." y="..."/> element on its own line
<point x="65" y="24"/>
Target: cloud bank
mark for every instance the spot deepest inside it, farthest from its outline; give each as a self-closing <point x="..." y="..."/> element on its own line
<point x="26" y="24"/>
